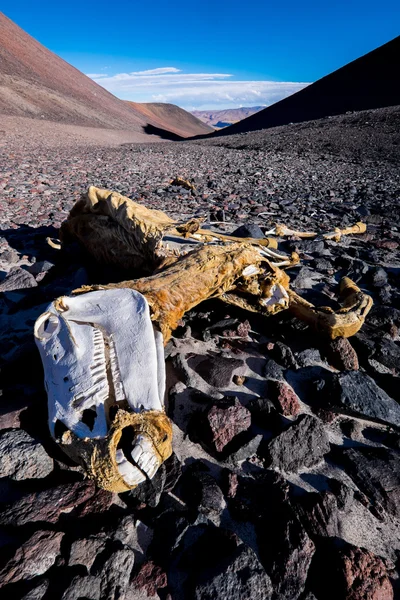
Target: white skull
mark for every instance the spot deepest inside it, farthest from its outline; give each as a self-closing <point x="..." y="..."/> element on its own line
<point x="102" y="355"/>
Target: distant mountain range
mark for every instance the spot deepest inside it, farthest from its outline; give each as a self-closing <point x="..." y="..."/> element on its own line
<point x="371" y="81"/>
<point x="223" y="118"/>
<point x="38" y="84"/>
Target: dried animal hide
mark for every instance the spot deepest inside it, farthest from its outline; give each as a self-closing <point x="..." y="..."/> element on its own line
<point x="236" y="273"/>
<point x="120" y="232"/>
<point x="105" y="381"/>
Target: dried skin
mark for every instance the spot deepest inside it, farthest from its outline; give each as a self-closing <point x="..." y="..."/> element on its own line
<point x="120" y="232"/>
<point x="210" y="272"/>
<point x="344" y="322"/>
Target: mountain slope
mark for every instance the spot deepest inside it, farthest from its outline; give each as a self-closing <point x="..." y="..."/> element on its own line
<point x="224" y="118"/>
<point x="368" y="82"/>
<point x="38" y="84"/>
<point x="172" y="118"/>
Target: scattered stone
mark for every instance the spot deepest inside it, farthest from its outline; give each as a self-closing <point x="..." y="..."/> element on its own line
<point x="286" y="550"/>
<point x="303" y="444"/>
<point x="376" y="471"/>
<point x="84" y="551"/>
<point x="309" y="358"/>
<point x="201" y="491"/>
<point x="149" y="579"/>
<point x="358" y="393"/>
<point x="33" y="558"/>
<point x="115" y="573"/>
<point x="22" y="457"/>
<point x="218" y="370"/>
<point x="47" y="506"/>
<point x="250" y="230"/>
<point x="352" y="573"/>
<point x="38" y="592"/>
<point x="284" y="356"/>
<point x="284" y="398"/>
<point x="17" y="279"/>
<point x="87" y="587"/>
<point x="318" y="512"/>
<point x="246" y="451"/>
<point x="221" y="423"/>
<point x="341" y="355"/>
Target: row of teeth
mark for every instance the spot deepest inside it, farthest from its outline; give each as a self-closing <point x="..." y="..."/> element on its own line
<point x="143" y="456"/>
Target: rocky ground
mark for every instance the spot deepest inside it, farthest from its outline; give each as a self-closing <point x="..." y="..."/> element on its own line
<point x="284" y="482"/>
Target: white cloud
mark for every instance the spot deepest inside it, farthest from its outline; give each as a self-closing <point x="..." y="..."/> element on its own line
<point x="195" y="90"/>
<point x="159" y="71"/>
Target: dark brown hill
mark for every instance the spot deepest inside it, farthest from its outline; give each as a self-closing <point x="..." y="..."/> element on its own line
<point x="366" y="83"/>
<point x="172" y="118"/>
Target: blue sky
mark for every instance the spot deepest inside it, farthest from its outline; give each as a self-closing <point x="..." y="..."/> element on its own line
<point x="207" y="54"/>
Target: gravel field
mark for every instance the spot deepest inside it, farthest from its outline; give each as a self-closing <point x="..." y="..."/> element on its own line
<point x="297" y="495"/>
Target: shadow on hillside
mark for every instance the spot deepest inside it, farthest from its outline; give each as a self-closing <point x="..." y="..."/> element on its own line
<point x="162" y="133"/>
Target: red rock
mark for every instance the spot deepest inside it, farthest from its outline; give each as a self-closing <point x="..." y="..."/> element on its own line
<point x="341" y="355"/>
<point x="284" y="398"/>
<point x="388" y="244"/>
<point x="364" y="576"/>
<point x="150" y="578"/>
<point x="98" y="503"/>
<point x="47" y="505"/>
<point x="33" y="558"/>
<point x="223" y="421"/>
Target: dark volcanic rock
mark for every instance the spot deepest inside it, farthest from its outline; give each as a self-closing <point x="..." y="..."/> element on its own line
<point x="48" y="505"/>
<point x="225" y="568"/>
<point x="303" y="444"/>
<point x="17" y="279"/>
<point x="318" y="512"/>
<point x="201" y="491"/>
<point x="376" y="471"/>
<point x="33" y="558"/>
<point x="237" y="577"/>
<point x="38" y="592"/>
<point x="84" y="551"/>
<point x="358" y="393"/>
<point x="22" y="457"/>
<point x="221" y="423"/>
<point x="284" y="355"/>
<point x="249" y="230"/>
<point x="149" y="492"/>
<point x="87" y="587"/>
<point x="218" y="370"/>
<point x="286" y="550"/>
<point x="115" y="573"/>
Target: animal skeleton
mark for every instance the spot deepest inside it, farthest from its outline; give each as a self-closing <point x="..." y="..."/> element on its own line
<point x="103" y="359"/>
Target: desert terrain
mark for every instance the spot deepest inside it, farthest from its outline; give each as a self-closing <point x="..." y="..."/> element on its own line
<point x="295" y="493"/>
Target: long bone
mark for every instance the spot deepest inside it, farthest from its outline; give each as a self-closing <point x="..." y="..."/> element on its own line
<point x="118" y="231"/>
<point x="336" y="234"/>
<point x="344" y="322"/>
